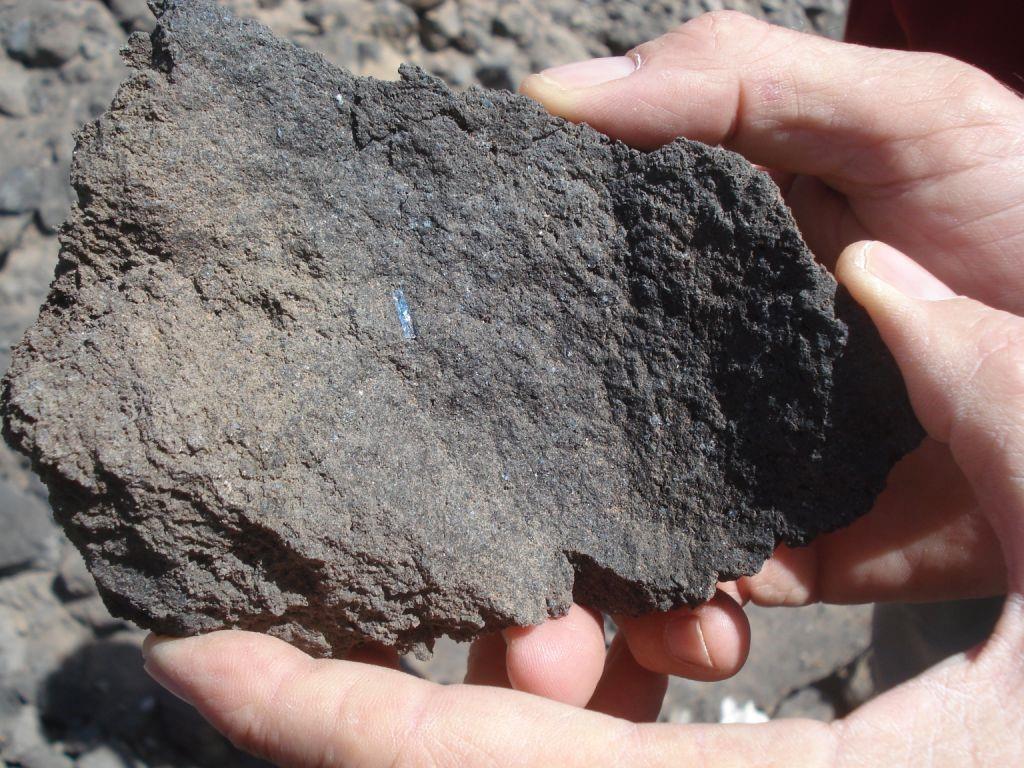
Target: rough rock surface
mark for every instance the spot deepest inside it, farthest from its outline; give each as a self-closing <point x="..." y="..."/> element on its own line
<point x="624" y="378"/>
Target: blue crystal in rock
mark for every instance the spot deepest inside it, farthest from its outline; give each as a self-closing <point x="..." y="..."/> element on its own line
<point x="404" y="315"/>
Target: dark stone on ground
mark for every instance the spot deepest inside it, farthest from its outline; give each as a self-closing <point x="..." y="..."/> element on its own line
<point x="26" y="531"/>
<point x="98" y="690"/>
<point x="73" y="581"/>
<point x="624" y="377"/>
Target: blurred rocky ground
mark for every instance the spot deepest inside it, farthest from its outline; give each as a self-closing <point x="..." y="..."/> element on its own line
<point x="72" y="689"/>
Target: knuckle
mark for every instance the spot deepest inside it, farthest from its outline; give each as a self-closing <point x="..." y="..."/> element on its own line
<point x="978" y="99"/>
<point x="987" y="429"/>
<point x="972" y="95"/>
<point x="717" y="33"/>
<point x="999" y="349"/>
<point x="963" y="78"/>
<point x="726" y="24"/>
<point x="724" y="31"/>
<point x="957" y="117"/>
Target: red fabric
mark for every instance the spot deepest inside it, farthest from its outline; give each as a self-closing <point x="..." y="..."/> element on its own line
<point x="986" y="33"/>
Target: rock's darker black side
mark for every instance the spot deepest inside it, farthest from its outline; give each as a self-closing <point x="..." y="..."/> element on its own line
<point x="343" y="359"/>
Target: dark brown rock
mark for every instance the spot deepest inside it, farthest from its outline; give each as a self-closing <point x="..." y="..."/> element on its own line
<point x="342" y="359"/>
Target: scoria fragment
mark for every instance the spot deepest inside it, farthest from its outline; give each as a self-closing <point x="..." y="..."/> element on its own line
<point x="346" y="360"/>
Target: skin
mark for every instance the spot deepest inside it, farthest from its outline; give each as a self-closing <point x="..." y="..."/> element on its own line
<point x="905" y="173"/>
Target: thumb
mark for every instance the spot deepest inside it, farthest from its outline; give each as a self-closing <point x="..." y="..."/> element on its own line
<point x="963" y="363"/>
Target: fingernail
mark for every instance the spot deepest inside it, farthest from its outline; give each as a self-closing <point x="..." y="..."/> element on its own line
<point x="586" y="74"/>
<point x="901" y="272"/>
<point x="156" y="651"/>
<point x="684" y="641"/>
<point x="152" y="642"/>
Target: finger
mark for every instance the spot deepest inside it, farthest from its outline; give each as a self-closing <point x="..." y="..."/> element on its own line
<point x="791" y="101"/>
<point x="272" y="700"/>
<point x="709" y="642"/>
<point x="560" y="659"/>
<point x="925" y="539"/>
<point x="486" y="663"/>
<point x="628" y="690"/>
<point x="963" y="364"/>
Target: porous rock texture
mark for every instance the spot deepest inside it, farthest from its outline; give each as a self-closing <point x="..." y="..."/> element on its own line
<point x="625" y="377"/>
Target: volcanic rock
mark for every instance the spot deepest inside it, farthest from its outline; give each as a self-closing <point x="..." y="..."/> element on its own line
<point x="343" y="360"/>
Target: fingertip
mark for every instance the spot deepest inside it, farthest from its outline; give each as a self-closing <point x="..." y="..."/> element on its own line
<point x="208" y="671"/>
<point x="162" y="661"/>
<point x="561" y="659"/>
<point x="733" y="589"/>
<point x="590" y="73"/>
<point x="554" y="99"/>
<point x="709" y="642"/>
<point x="788" y="578"/>
<point x="169" y="656"/>
<point x="915" y="317"/>
<point x="152" y="641"/>
<point x="849" y="269"/>
<point x="869" y="267"/>
<point x="726" y="633"/>
<point x="556" y="87"/>
<point x="606" y="94"/>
